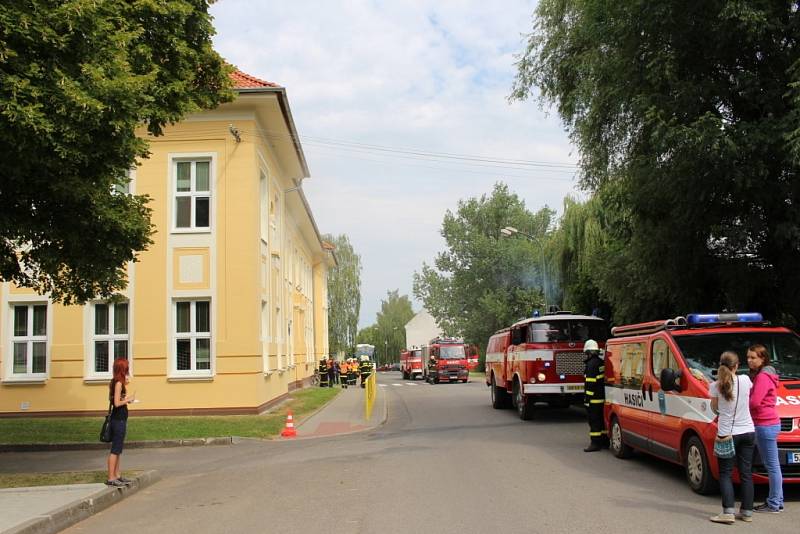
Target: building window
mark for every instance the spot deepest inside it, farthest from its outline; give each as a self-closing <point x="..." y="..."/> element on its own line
<point x="193" y="336"/>
<point x="263" y="206"/>
<point x="110" y="336"/>
<point x="29" y="340"/>
<point x="192" y="194"/>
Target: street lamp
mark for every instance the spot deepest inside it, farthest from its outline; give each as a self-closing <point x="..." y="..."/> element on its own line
<point x="510" y="231"/>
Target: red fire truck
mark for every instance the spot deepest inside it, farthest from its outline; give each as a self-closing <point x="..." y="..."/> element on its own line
<point x="472" y="356"/>
<point x="449" y="361"/>
<point x="657" y="390"/>
<point x="540" y="359"/>
<point x="411" y="363"/>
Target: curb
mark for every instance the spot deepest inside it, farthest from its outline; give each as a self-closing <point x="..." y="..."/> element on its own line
<point x="155" y="444"/>
<point x="77" y="511"/>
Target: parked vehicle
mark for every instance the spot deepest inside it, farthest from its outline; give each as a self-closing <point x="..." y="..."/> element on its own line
<point x="472" y="357"/>
<point x="540" y="359"/>
<point x="411" y="364"/>
<point x="449" y="363"/>
<point x="657" y="401"/>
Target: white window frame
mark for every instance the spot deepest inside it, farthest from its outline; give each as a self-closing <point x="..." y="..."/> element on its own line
<point x="29" y="339"/>
<point x="193" y="335"/>
<point x="110" y="339"/>
<point x="193" y="194"/>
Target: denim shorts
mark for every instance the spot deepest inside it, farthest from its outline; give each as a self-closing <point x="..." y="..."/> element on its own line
<point x="118" y="429"/>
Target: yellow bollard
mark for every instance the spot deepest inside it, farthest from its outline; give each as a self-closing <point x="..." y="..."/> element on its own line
<point x="371" y="390"/>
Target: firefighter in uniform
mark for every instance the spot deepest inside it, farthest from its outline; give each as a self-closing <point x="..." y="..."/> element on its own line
<point x="366" y="370"/>
<point x="354" y="374"/>
<point x="323" y="373"/>
<point x="344" y="369"/>
<point x="431" y="368"/>
<point x="594" y="395"/>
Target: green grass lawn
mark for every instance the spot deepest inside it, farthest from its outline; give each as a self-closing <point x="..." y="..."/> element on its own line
<point x="87" y="429"/>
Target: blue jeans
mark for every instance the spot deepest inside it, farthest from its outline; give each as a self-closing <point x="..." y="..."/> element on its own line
<point x="767" y="443"/>
<point x="744" y="445"/>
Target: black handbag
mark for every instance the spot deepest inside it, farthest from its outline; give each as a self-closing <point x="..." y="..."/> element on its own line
<point x="105" y="432"/>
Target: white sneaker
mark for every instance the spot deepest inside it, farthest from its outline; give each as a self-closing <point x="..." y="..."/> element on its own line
<point x="727" y="519"/>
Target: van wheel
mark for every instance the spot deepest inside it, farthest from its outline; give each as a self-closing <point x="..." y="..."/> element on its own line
<point x="523" y="403"/>
<point x="500" y="396"/>
<point x="617" y="446"/>
<point x="698" y="472"/>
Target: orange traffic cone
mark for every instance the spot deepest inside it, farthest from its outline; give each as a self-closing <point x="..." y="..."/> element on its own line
<point x="289" y="431"/>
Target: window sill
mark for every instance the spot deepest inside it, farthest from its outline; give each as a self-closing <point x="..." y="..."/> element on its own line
<point x="191" y="230"/>
<point x="191" y="378"/>
<point x="21" y="381"/>
<point x="97" y="380"/>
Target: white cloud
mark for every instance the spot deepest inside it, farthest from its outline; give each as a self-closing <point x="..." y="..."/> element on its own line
<point x="426" y="74"/>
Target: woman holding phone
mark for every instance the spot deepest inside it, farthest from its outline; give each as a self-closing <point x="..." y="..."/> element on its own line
<point x="118" y="397"/>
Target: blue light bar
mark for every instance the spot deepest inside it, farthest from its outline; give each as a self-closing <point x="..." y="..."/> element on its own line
<point x="706" y="318"/>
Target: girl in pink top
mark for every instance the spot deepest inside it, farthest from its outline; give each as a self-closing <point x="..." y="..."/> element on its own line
<point x="767" y="423"/>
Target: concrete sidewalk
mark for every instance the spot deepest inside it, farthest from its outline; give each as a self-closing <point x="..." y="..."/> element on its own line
<point x="49" y="509"/>
<point x="345" y="415"/>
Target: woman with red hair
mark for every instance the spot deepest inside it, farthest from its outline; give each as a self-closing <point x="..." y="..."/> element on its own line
<point x="117" y="395"/>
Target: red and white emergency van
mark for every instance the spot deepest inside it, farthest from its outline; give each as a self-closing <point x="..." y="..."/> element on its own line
<point x="449" y="362"/>
<point x="541" y="359"/>
<point x="657" y="377"/>
<point x="411" y="363"/>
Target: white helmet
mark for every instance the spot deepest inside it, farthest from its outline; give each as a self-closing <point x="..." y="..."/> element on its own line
<point x="364" y="358"/>
<point x="591" y="346"/>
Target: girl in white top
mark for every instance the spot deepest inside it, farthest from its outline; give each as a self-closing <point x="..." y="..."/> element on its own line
<point x="730" y="397"/>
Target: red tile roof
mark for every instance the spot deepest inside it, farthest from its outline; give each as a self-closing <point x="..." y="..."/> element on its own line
<point x="243" y="80"/>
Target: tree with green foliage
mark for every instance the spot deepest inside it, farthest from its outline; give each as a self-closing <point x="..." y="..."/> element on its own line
<point x="77" y="78"/>
<point x="395" y="313"/>
<point x="686" y="118"/>
<point x="344" y="296"/>
<point x="482" y="283"/>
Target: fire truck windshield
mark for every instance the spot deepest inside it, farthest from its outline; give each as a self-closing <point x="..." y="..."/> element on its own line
<point x="452" y="352"/>
<point x="416" y="353"/>
<point x="702" y="351"/>
<point x="567" y="330"/>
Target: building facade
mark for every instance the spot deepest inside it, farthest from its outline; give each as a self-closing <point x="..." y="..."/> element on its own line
<point x="421" y="329"/>
<point x="225" y="313"/>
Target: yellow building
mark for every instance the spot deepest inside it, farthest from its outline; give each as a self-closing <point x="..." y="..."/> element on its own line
<point x="227" y="310"/>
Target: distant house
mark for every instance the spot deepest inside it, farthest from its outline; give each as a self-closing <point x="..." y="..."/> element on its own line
<point x="227" y="310"/>
<point x="421" y="329"/>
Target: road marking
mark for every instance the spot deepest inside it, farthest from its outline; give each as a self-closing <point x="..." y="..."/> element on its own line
<point x="412" y="384"/>
<point x="398" y="385"/>
<point x="382" y="385"/>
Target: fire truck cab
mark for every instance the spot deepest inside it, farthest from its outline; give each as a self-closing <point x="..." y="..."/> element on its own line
<point x="657" y="390"/>
<point x="411" y="363"/>
<point x="445" y="360"/>
<point x="540" y="359"/>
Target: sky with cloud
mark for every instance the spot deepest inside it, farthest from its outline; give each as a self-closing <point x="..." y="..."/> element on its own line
<point x="374" y="86"/>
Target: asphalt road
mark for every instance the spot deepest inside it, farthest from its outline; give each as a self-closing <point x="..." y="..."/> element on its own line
<point x="444" y="462"/>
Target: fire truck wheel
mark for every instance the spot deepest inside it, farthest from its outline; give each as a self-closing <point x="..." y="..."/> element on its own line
<point x="523" y="403"/>
<point x="500" y="396"/>
<point x="617" y="446"/>
<point x="698" y="472"/>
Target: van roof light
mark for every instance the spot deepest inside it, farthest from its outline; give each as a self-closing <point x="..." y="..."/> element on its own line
<point x="706" y="318"/>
